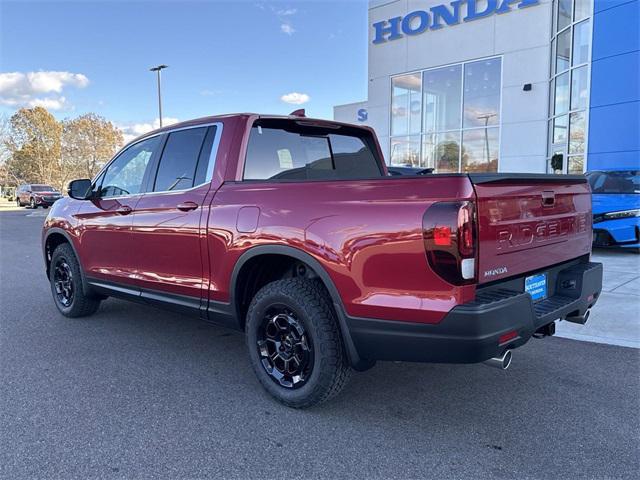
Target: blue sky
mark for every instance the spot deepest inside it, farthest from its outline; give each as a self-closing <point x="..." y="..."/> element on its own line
<point x="223" y="56"/>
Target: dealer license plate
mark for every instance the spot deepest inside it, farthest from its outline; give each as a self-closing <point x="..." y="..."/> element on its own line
<point x="536" y="286"/>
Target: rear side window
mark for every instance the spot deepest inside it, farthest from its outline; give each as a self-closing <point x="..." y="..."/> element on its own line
<point x="179" y="161"/>
<point x="280" y="150"/>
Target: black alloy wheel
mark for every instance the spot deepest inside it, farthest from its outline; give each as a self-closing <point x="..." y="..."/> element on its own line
<point x="294" y="342"/>
<point x="63" y="282"/>
<point x="65" y="277"/>
<point x="285" y="349"/>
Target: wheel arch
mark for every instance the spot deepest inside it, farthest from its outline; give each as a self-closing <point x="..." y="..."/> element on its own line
<point x="53" y="238"/>
<point x="294" y="255"/>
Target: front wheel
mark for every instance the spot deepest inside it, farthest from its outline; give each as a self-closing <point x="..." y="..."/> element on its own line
<point x="32" y="203"/>
<point x="18" y="202"/>
<point x="295" y="344"/>
<point x="66" y="284"/>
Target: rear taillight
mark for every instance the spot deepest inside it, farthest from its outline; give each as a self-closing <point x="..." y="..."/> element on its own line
<point x="449" y="231"/>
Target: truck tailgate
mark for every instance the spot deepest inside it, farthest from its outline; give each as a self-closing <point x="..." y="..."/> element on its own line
<point x="529" y="222"/>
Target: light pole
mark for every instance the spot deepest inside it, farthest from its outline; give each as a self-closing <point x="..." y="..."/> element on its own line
<point x="157" y="70"/>
<point x="486" y="118"/>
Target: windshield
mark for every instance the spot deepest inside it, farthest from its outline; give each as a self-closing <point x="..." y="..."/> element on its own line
<point x="627" y="181"/>
<point x="42" y="188"/>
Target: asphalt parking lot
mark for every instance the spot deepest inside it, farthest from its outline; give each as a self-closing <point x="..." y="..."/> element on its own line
<point x="135" y="392"/>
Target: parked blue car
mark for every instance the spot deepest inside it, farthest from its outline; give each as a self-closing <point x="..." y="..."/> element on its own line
<point x="616" y="208"/>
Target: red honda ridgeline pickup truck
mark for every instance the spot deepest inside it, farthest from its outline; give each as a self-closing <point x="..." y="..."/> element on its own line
<point x="291" y="230"/>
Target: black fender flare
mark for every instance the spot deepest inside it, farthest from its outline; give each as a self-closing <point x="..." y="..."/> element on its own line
<point x="85" y="286"/>
<point x="352" y="353"/>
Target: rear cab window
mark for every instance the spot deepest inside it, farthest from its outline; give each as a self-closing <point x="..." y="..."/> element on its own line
<point x="283" y="149"/>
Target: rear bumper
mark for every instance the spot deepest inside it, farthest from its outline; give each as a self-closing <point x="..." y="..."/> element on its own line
<point x="470" y="332"/>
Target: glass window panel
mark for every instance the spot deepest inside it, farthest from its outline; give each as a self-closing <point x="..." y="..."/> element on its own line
<point x="442" y="152"/>
<point x="406" y="104"/>
<point x="561" y="95"/>
<point x="564" y="13"/>
<point x="480" y="150"/>
<point x="576" y="132"/>
<point x="553" y="55"/>
<point x="405" y="151"/>
<point x="560" y="129"/>
<point x="125" y="174"/>
<point x="579" y="78"/>
<point x="441" y="92"/>
<point x="299" y="153"/>
<point x="581" y="40"/>
<point x="554" y="16"/>
<point x="482" y="93"/>
<point x="576" y="164"/>
<point x="563" y="46"/>
<point x="179" y="160"/>
<point x="582" y="9"/>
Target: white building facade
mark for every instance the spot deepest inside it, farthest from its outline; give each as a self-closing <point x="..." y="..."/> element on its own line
<point x="481" y="85"/>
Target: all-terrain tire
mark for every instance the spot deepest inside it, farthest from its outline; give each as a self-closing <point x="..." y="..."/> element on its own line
<point x="308" y="300"/>
<point x="80" y="304"/>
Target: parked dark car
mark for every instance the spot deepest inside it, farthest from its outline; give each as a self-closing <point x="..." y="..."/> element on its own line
<point x="36" y="195"/>
<point x="291" y="230"/>
<point x="616" y="208"/>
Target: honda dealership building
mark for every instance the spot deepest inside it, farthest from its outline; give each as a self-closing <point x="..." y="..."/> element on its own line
<point x="503" y="85"/>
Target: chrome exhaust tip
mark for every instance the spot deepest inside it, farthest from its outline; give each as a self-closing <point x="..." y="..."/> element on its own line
<point x="579" y="319"/>
<point x="502" y="362"/>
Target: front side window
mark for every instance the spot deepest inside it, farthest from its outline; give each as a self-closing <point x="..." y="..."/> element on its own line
<point x="179" y="161"/>
<point x="125" y="174"/>
<point x="283" y="150"/>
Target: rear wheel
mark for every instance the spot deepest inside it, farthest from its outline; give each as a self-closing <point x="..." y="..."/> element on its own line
<point x="66" y="284"/>
<point x="294" y="343"/>
<point x="32" y="203"/>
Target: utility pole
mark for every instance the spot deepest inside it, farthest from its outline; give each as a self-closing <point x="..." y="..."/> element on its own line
<point x="486" y="118"/>
<point x="157" y="70"/>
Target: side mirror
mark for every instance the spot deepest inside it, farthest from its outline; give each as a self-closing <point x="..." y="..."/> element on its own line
<point x="80" y="189"/>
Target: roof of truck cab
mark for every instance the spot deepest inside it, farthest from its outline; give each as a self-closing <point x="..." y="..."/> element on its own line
<point x="215" y="118"/>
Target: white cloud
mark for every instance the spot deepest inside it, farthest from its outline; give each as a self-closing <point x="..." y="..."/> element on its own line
<point x="283" y="15"/>
<point x="295" y="98"/>
<point x="18" y="89"/>
<point x="287" y="28"/>
<point x="134" y="130"/>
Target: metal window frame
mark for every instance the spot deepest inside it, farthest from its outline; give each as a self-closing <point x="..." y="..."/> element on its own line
<point x="553" y="75"/>
<point x="210" y="166"/>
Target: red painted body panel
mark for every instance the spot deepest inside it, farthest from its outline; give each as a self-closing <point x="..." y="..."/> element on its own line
<point x="518" y="234"/>
<point x="167" y="241"/>
<point x="367" y="234"/>
<point x="104" y="241"/>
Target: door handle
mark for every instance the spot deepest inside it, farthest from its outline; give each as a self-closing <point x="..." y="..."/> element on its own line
<point x="187" y="206"/>
<point x="124" y="210"/>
